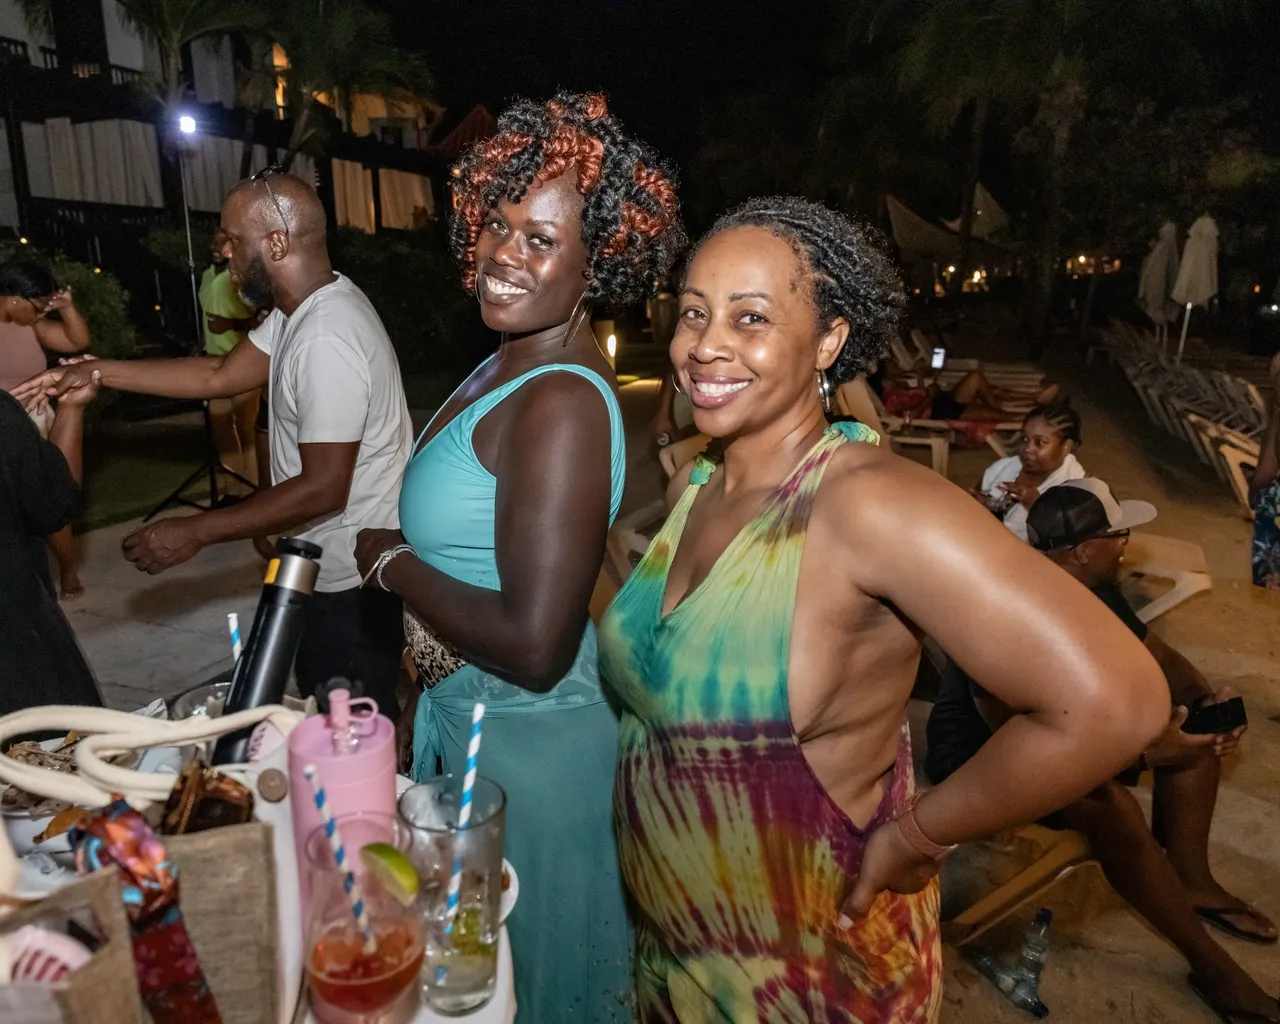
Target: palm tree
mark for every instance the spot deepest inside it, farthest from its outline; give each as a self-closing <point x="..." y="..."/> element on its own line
<point x="1043" y="63"/>
<point x="338" y="49"/>
<point x="255" y="85"/>
<point x="957" y="62"/>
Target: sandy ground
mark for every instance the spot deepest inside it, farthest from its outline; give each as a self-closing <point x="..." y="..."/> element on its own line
<point x="150" y="637"/>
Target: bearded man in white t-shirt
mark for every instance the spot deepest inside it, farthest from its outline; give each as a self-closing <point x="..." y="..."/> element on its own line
<point x="339" y="427"/>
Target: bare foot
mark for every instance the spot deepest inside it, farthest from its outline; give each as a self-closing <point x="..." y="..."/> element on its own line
<point x="71" y="587"/>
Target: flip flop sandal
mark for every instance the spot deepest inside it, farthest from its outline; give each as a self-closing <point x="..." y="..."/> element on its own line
<point x="1217" y="917"/>
<point x="1227" y="1014"/>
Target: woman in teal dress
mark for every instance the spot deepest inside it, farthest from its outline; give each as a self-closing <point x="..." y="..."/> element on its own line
<point x="504" y="510"/>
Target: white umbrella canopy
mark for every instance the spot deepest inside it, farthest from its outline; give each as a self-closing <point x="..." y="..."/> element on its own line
<point x="1197" y="282"/>
<point x="1158" y="277"/>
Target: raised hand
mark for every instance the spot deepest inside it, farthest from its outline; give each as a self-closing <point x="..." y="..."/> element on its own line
<point x="60" y="300"/>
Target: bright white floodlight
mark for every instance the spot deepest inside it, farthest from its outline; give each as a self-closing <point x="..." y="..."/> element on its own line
<point x="187" y="124"/>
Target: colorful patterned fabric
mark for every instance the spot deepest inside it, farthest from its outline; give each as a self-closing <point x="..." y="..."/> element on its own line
<point x="170" y="980"/>
<point x="736" y="855"/>
<point x="1266" y="538"/>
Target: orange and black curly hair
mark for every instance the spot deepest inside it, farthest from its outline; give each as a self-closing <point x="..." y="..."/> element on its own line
<point x="630" y="216"/>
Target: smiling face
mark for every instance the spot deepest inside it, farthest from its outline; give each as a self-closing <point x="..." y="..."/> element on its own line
<point x="748" y="340"/>
<point x="1043" y="447"/>
<point x="531" y="261"/>
<point x="218" y="246"/>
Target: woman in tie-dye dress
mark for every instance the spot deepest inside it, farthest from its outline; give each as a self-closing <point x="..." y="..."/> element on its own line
<point x="766" y="646"/>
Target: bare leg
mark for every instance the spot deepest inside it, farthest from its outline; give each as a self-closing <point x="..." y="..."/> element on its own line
<point x="1140" y="872"/>
<point x="63" y="546"/>
<point x="972" y="388"/>
<point x="983" y="402"/>
<point x="245" y="415"/>
<point x="222" y="419"/>
<point x="1182" y="813"/>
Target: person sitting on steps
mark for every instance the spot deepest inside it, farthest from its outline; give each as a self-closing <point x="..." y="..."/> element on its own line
<point x="1163" y="871"/>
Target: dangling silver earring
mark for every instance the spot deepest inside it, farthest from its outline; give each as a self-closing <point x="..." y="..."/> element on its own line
<point x="574" y="322"/>
<point x="675" y="383"/>
<point x="824" y="391"/>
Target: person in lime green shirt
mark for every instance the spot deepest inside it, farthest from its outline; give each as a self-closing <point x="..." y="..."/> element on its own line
<point x="227" y="321"/>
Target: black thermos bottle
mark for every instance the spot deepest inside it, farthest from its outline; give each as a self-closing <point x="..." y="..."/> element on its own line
<point x="263" y="669"/>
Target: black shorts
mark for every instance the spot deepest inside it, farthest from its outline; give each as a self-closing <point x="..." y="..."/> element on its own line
<point x="957" y="730"/>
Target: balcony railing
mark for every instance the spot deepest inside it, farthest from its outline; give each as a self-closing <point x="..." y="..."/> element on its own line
<point x="55" y="60"/>
<point x="14" y="48"/>
<point x="126" y="76"/>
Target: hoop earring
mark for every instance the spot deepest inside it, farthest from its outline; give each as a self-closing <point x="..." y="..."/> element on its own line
<point x="574" y="323"/>
<point x="475" y="289"/>
<point x="824" y="391"/>
<point x="675" y="383"/>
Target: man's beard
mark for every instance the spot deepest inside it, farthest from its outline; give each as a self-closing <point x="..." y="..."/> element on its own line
<point x="255" y="286"/>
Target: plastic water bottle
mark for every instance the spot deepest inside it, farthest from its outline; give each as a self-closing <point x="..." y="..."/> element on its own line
<point x="1035" y="948"/>
<point x="1020" y="983"/>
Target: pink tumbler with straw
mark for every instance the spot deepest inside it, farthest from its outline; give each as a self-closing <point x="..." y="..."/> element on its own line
<point x="354" y="751"/>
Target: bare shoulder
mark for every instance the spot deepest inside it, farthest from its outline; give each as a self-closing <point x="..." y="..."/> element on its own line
<point x="561" y="408"/>
<point x="875" y="504"/>
<point x="867" y="480"/>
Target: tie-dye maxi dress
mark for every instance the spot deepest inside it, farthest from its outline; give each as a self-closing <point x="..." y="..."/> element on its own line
<point x="737" y="858"/>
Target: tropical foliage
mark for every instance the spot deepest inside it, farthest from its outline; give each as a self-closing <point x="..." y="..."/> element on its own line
<point x="1092" y="121"/>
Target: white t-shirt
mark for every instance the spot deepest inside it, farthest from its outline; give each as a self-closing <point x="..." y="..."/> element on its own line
<point x="335" y="378"/>
<point x="1006" y="471"/>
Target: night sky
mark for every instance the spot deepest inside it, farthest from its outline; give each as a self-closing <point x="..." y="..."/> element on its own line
<point x="660" y="61"/>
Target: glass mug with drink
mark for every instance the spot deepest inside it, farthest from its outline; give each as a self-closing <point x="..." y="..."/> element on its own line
<point x="349" y="984"/>
<point x="461" y="966"/>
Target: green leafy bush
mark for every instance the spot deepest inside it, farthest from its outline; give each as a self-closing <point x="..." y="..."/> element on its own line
<point x="100" y="298"/>
<point x="415" y="286"/>
<point x="168" y="244"/>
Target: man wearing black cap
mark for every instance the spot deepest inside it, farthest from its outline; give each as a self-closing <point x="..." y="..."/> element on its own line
<point x="1165" y="876"/>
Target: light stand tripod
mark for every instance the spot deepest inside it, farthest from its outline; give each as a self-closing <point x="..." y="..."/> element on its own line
<point x="213" y="462"/>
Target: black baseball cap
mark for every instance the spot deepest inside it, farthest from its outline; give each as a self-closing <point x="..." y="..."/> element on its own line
<point x="1080" y="510"/>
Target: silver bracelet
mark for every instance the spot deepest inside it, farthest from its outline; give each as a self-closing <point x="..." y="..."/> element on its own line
<point x="375" y="571"/>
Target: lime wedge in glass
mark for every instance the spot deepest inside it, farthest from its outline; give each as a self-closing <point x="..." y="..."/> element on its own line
<point x="392" y="868"/>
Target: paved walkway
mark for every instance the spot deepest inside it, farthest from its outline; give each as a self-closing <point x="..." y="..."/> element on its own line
<point x="155" y="636"/>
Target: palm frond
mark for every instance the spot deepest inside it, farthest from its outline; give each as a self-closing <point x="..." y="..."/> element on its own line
<point x="38" y="15"/>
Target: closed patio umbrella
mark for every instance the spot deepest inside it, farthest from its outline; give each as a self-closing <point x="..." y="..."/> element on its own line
<point x="1197" y="282"/>
<point x="1157" y="278"/>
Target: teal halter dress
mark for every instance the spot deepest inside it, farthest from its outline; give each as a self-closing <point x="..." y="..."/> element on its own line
<point x="554" y="753"/>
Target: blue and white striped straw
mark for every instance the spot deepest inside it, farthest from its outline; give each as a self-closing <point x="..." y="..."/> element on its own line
<point x="464" y="815"/>
<point x="233" y="627"/>
<point x="354" y="893"/>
